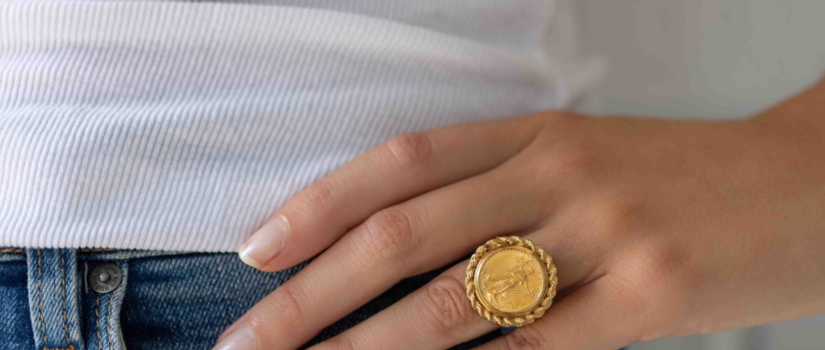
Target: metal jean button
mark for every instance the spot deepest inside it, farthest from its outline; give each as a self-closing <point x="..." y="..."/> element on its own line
<point x="105" y="278"/>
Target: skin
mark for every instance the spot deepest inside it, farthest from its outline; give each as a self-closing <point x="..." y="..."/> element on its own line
<point x="658" y="228"/>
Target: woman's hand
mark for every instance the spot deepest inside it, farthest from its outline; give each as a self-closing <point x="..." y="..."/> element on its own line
<point x="658" y="228"/>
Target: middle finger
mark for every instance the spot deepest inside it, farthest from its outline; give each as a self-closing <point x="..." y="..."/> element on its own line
<point x="413" y="237"/>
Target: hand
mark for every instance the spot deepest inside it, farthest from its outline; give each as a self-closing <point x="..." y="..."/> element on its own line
<point x="658" y="228"/>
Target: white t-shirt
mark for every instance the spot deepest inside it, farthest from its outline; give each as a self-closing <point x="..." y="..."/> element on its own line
<point x="184" y="126"/>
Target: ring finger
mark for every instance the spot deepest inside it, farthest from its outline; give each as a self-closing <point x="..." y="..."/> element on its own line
<point x="440" y="315"/>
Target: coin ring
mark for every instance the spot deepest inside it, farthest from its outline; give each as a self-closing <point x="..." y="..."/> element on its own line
<point x="524" y="304"/>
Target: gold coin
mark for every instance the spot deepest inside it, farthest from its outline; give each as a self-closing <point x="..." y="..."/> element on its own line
<point x="511" y="281"/>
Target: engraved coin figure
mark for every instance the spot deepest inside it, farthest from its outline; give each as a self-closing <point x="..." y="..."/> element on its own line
<point x="511" y="280"/>
<point x="498" y="286"/>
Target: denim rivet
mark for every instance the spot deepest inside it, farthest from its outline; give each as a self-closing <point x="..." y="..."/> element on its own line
<point x="105" y="278"/>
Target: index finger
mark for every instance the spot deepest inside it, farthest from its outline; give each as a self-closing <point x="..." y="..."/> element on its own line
<point x="401" y="168"/>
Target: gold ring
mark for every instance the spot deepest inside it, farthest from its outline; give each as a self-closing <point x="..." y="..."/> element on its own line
<point x="511" y="281"/>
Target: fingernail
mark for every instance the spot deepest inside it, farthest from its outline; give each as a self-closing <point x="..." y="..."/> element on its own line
<point x="265" y="244"/>
<point x="240" y="339"/>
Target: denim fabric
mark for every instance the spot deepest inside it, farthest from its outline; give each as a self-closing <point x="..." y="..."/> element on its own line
<point x="53" y="299"/>
<point x="165" y="300"/>
<point x="15" y="324"/>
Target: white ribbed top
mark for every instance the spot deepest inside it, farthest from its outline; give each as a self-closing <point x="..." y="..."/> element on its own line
<point x="183" y="126"/>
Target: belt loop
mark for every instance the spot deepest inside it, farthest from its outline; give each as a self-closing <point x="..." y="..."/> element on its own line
<point x="104" y="322"/>
<point x="54" y="299"/>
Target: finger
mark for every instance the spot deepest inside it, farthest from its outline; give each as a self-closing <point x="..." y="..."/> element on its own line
<point x="440" y="315"/>
<point x="401" y="168"/>
<point x="597" y="316"/>
<point x="419" y="235"/>
<point x="437" y="316"/>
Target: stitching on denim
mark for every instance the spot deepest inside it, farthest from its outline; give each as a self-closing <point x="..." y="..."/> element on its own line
<point x="109" y="312"/>
<point x="40" y="305"/>
<point x="63" y="292"/>
<point x="97" y="322"/>
<point x="108" y="322"/>
<point x="12" y="251"/>
<point x="40" y="298"/>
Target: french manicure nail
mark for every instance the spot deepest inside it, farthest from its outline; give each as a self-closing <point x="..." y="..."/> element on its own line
<point x="265" y="244"/>
<point x="239" y="339"/>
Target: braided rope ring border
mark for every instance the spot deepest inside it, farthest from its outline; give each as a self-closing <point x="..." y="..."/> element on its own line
<point x="514" y="321"/>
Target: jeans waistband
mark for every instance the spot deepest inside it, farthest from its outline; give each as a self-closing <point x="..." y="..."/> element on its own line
<point x="88" y="254"/>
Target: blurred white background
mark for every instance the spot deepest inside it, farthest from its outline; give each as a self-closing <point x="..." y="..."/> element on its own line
<point x="709" y="59"/>
<point x="703" y="58"/>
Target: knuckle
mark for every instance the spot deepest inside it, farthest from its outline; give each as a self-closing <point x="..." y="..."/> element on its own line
<point x="388" y="234"/>
<point x="410" y="150"/>
<point x="569" y="161"/>
<point x="320" y="195"/>
<point x="653" y="284"/>
<point x="572" y="160"/>
<point x="446" y="304"/>
<point x="653" y="262"/>
<point x="526" y="338"/>
<point x="287" y="304"/>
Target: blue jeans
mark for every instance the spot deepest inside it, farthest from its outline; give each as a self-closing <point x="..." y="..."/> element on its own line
<point x="50" y="300"/>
